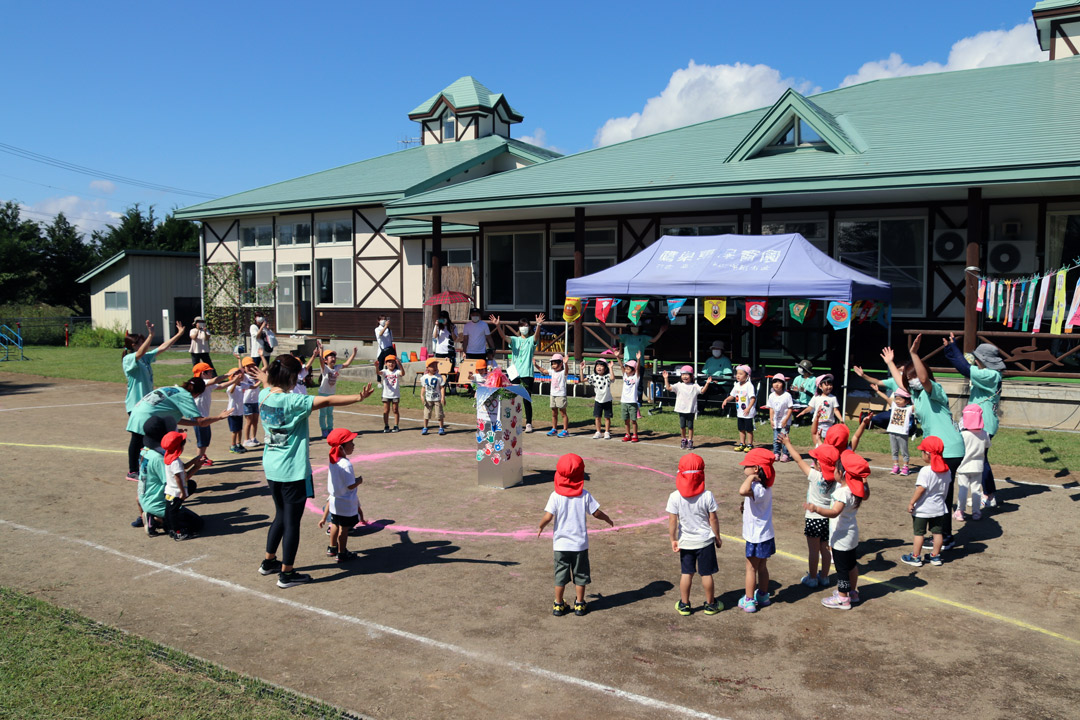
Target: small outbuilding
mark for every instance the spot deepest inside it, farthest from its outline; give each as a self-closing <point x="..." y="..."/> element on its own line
<point x="134" y="286"/>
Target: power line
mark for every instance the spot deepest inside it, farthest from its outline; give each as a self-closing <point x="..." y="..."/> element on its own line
<point x="80" y="193"/>
<point x="64" y="165"/>
<point x="69" y="217"/>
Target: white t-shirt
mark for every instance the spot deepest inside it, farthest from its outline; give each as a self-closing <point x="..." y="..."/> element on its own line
<point x="976" y="443"/>
<point x="844" y="528"/>
<point x="780" y="404"/>
<point x="384" y="337"/>
<point x="818" y="492"/>
<point x="199" y="342"/>
<point x="253" y="343"/>
<point x="932" y="502"/>
<point x="343" y="501"/>
<point x="432" y="385"/>
<point x="300" y="388"/>
<point x="571" y="515"/>
<point x="745" y="398"/>
<point x="686" y="395"/>
<point x="823" y="409"/>
<point x="444" y="340"/>
<point x="694" y="529"/>
<point x="558" y="383"/>
<point x="203" y="400"/>
<point x="251" y="390"/>
<point x="236" y="397"/>
<point x="602" y="385"/>
<point x="328" y="381"/>
<point x="900" y="419"/>
<point x="629" y="388"/>
<point x="476" y="334"/>
<point x="174" y="475"/>
<point x="757" y="515"/>
<point x="391" y="385"/>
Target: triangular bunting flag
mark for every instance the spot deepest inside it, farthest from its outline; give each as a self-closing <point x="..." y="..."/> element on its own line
<point x="839" y="315"/>
<point x="756" y="310"/>
<point x="571" y="309"/>
<point x="603" y="308"/>
<point x="637" y="309"/>
<point x="674" y="305"/>
<point x="715" y="309"/>
<point x="885" y="318"/>
<point x="798" y="309"/>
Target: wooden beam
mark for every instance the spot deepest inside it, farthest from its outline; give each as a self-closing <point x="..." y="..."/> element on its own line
<point x="975" y="229"/>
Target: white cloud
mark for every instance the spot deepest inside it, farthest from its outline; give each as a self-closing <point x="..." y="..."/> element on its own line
<point x="986" y="49"/>
<point x="702" y="92"/>
<point x="539" y="138"/>
<point x="87" y="214"/>
<point x="104" y="186"/>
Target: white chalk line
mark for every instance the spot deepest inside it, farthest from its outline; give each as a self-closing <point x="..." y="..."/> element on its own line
<point x="172" y="567"/>
<point x="528" y="668"/>
<point x="49" y="407"/>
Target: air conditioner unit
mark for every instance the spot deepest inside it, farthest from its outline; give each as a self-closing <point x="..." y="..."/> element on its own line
<point x="1012" y="257"/>
<point x="950" y="245"/>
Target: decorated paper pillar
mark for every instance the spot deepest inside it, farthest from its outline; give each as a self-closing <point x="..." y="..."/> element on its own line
<point x="500" y="424"/>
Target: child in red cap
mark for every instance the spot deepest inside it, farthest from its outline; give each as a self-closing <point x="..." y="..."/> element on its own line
<point x="179" y="523"/>
<point x="570" y="506"/>
<point x="845" y="499"/>
<point x="927" y="507"/>
<point x="694" y="531"/>
<point x="757" y="526"/>
<point x="821" y="479"/>
<point x="343" y="505"/>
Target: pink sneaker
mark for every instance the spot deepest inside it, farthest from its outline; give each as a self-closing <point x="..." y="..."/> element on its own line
<point x="895" y="469"/>
<point x="958" y="516"/>
<point x="837" y="602"/>
<point x="776" y="456"/>
<point x="905" y="471"/>
<point x="785" y="458"/>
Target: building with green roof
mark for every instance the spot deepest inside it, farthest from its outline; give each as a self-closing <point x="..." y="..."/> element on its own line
<point x="323" y="246"/>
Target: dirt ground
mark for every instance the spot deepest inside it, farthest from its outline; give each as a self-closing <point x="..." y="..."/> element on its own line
<point x="447" y="611"/>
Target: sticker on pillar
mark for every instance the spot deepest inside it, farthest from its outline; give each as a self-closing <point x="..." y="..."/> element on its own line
<point x="839" y="315"/>
<point x="756" y="310"/>
<point x="480" y="456"/>
<point x="498" y="447"/>
<point x="495" y="459"/>
<point x="715" y="309"/>
<point x="571" y="309"/>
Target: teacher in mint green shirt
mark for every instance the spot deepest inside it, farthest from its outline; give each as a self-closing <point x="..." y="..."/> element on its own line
<point x="137" y="362"/>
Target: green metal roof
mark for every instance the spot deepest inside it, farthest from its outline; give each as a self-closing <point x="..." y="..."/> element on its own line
<point x="792" y="104"/>
<point x="129" y="253"/>
<point x="465" y="92"/>
<point x="1000" y="124"/>
<point x="404" y="227"/>
<point x="1054" y="5"/>
<point x="369" y="182"/>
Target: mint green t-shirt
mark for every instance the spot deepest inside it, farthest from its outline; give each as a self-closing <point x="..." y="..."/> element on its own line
<point x="633" y="344"/>
<point x="140" y="377"/>
<point x="285" y="419"/>
<point x="173" y="402"/>
<point x="718" y="367"/>
<point x="521" y="351"/>
<point x="986" y="392"/>
<point x="806" y="387"/>
<point x="933" y="414"/>
<point x="152" y="481"/>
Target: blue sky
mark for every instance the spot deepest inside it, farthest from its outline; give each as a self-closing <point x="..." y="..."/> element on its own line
<point x="222" y="97"/>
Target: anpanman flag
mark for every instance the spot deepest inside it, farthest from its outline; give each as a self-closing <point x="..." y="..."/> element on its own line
<point x="715" y="309"/>
<point x="571" y="309"/>
<point x="839" y="315"/>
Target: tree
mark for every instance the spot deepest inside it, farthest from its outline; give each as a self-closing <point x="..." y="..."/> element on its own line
<point x="64" y="256"/>
<point x="21" y="278"/>
<point x="177" y="235"/>
<point x="134" y="232"/>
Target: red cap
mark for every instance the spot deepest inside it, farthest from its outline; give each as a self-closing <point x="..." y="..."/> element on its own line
<point x="764" y="459"/>
<point x="856" y="470"/>
<point x="173" y="445"/>
<point x="336" y="439"/>
<point x="826" y="455"/>
<point x="837" y="436"/>
<point x="200" y="368"/>
<point x="690" y="481"/>
<point x="933" y="445"/>
<point x="570" y="475"/>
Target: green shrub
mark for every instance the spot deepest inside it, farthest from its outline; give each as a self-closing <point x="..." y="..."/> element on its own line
<point x="99" y="337"/>
<point x="41" y="324"/>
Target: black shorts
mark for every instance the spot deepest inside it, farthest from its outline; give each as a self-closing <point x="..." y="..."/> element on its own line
<point x="701" y="560"/>
<point x="236" y="423"/>
<point x="602" y="409"/>
<point x="686" y="420"/>
<point x="746" y="425"/>
<point x="346" y="521"/>
<point x="572" y="565"/>
<point x="817" y="528"/>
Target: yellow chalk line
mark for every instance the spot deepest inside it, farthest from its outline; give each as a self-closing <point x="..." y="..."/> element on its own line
<point x="792" y="556"/>
<point x="935" y="598"/>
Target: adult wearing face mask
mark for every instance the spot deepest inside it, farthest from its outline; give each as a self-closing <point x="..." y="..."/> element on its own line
<point x="932" y="411"/>
<point x="200" y="344"/>
<point x="475" y="337"/>
<point x="636" y="341"/>
<point x="445" y="335"/>
<point x="256" y="334"/>
<point x="718" y="367"/>
<point x="384" y="338"/>
<point x="522" y="349"/>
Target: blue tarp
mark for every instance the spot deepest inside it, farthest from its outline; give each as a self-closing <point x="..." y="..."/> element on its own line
<point x="731" y="266"/>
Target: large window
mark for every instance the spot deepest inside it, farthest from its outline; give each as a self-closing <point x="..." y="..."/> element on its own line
<point x="1062" y="238"/>
<point x="515" y="270"/>
<point x="816" y="231"/>
<point x="595" y="236"/>
<point x="295" y="232"/>
<point x="254" y="278"/>
<point x="257" y="235"/>
<point x="449" y="128"/>
<point x="116" y="301"/>
<point x="694" y="230"/>
<point x="333" y="281"/>
<point x="333" y="231"/>
<point x="892" y="250"/>
<point x="452" y="257"/>
<point x="562" y="269"/>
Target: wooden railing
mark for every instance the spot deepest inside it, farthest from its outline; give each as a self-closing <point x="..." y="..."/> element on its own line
<point x="1021" y="351"/>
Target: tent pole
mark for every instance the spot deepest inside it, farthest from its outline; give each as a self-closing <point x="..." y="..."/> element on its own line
<point x="697" y="369"/>
<point x="847" y="361"/>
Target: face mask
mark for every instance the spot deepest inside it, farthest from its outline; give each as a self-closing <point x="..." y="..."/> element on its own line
<point x="716" y="353"/>
<point x="258" y="320"/>
<point x="442" y="321"/>
<point x="634" y="329"/>
<point x="524" y="329"/>
<point x="382" y="323"/>
<point x="915" y="384"/>
<point x="474" y="318"/>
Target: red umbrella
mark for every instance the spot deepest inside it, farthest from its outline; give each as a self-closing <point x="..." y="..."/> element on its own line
<point x="447" y="297"/>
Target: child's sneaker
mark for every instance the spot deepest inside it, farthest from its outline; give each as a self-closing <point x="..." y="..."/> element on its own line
<point x="597" y="435"/>
<point x="689" y="444"/>
<point x="895" y="469"/>
<point x="747" y="604"/>
<point x="905" y="471"/>
<point x="528" y="427"/>
<point x="958" y="516"/>
<point x="580" y="608"/>
<point x="823" y="580"/>
<point x="563" y="434"/>
<point x="809" y="581"/>
<point x="682" y="608"/>
<point x="626" y="437"/>
<point x="976" y="515"/>
<point x="785" y="458"/>
<point x="607" y="435"/>
<point x="912" y="560"/>
<point x="179" y="536"/>
<point x="853" y="597"/>
<point x="325" y="434"/>
<point x="137" y="522"/>
<point x="395" y="429"/>
<point x="292" y="579"/>
<point x="936" y="560"/>
<point x="133" y="476"/>
<point x="559" y="609"/>
<point x="552" y="432"/>
<point x="837" y="602"/>
<point x="345" y="556"/>
<point x="442" y="431"/>
<point x="269" y="567"/>
<point x="738" y="447"/>
<point x="762" y="599"/>
<point x="747" y="448"/>
<point x="207" y="462"/>
<point x="711" y="608"/>
<point x="233" y="449"/>
<point x="682" y="444"/>
<point x="634" y="438"/>
<point x="776" y="457"/>
<point x="331" y="551"/>
<point x="386" y="428"/>
<point x="424" y="431"/>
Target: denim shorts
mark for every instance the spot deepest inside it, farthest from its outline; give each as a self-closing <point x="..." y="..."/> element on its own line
<point x="762" y="550"/>
<point x="251" y="408"/>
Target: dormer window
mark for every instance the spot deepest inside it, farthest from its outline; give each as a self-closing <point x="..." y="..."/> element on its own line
<point x="797" y="134"/>
<point x="449" y="128"/>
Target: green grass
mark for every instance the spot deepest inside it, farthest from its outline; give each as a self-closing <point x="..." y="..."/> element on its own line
<point x="58" y="664"/>
<point x="1041" y="449"/>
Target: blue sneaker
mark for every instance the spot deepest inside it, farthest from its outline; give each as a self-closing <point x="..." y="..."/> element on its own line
<point x="442" y="431"/>
<point x="936" y="560"/>
<point x="762" y="599"/>
<point x="747" y="604"/>
<point x="551" y="433"/>
<point x="564" y="434"/>
<point x="912" y="560"/>
<point x="424" y="431"/>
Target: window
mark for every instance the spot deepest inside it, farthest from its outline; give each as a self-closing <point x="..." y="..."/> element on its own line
<point x="602" y="236"/>
<point x="797" y="134"/>
<point x="562" y="269"/>
<point x="449" y="128"/>
<point x="254" y="278"/>
<point x="116" y="301"/>
<point x="1062" y="238"/>
<point x="333" y="231"/>
<point x="892" y="250"/>
<point x="515" y="270"/>
<point x="815" y="231"/>
<point x="296" y="232"/>
<point x="456" y="256"/>
<point x="257" y="236"/>
<point x="694" y="230"/>
<point x="333" y="281"/>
